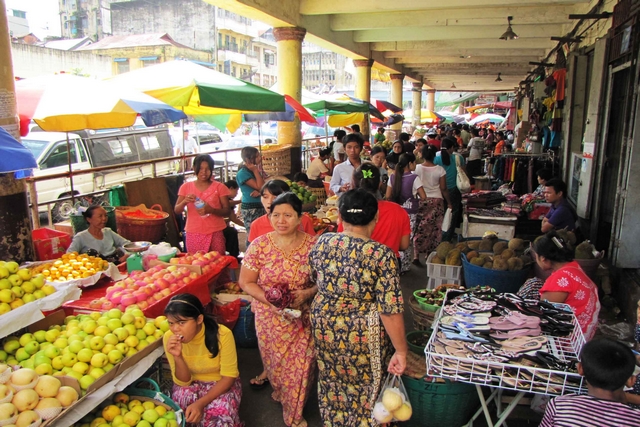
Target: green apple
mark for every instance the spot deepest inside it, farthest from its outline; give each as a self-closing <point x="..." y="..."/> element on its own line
<point x="101" y="331"/>
<point x="69" y="359"/>
<point x="150" y="415"/>
<point x="107" y="348"/>
<point x="102" y="321"/>
<point x="7" y="296"/>
<point x="122" y="348"/>
<point x="4" y="307"/>
<point x="149" y="328"/>
<point x="27" y="298"/>
<point x="41" y="358"/>
<point x="89" y="326"/>
<point x="51" y="335"/>
<point x="56" y="363"/>
<point x="40" y="336"/>
<point x="129" y="328"/>
<point x="85" y="355"/>
<point x="108" y="367"/>
<point x="86" y="381"/>
<point x="12" y="266"/>
<point x="32" y="347"/>
<point x="15" y="280"/>
<point x="170" y="415"/>
<point x="26" y="338"/>
<point x="4" y="272"/>
<point x="27" y="364"/>
<point x="44" y="369"/>
<point x="3" y="356"/>
<point x="25" y="274"/>
<point x="111" y="339"/>
<point x="28" y="287"/>
<point x="121" y="334"/>
<point x="81" y="367"/>
<point x="114" y="313"/>
<point x="115" y="356"/>
<point x="127" y="318"/>
<point x="11" y="344"/>
<point x="137" y="313"/>
<point x="158" y="333"/>
<point x="45" y="345"/>
<point x="161" y="422"/>
<point x="5" y="284"/>
<point x="21" y="354"/>
<point x="96" y="343"/>
<point x="139" y="322"/>
<point x="39" y="294"/>
<point x="97" y="373"/>
<point x="150" y="338"/>
<point x="142" y="344"/>
<point x="144" y="423"/>
<point x="114" y="324"/>
<point x="72" y="330"/>
<point x="140" y="334"/>
<point x="38" y="281"/>
<point x="131" y="352"/>
<point x="74" y="374"/>
<point x="99" y="360"/>
<point x="61" y="343"/>
<point x="75" y="346"/>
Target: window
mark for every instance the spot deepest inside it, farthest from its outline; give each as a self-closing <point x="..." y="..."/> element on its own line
<point x="226" y="42"/>
<point x="119" y="147"/>
<point x="58" y="156"/>
<point x="20" y="14"/>
<point x="150" y="143"/>
<point x="123" y="66"/>
<point x="83" y="155"/>
<point x="233" y="72"/>
<point x="219" y="40"/>
<point x="147" y="62"/>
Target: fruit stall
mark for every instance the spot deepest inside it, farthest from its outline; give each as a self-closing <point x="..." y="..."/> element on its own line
<point x="78" y="333"/>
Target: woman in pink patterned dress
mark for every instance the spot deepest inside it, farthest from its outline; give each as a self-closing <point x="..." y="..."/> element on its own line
<point x="285" y="342"/>
<point x="568" y="283"/>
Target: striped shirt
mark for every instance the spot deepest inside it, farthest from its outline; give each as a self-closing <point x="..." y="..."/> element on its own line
<point x="572" y="410"/>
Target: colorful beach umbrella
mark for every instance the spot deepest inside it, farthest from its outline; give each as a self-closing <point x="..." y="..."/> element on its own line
<point x="66" y="103"/>
<point x="14" y="156"/>
<point x="482" y="118"/>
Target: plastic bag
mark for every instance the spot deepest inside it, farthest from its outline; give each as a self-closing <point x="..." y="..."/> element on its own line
<point x="393" y="402"/>
<point x="462" y="181"/>
<point x="446" y="221"/>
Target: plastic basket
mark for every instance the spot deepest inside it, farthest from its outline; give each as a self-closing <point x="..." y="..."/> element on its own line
<point x="416" y="349"/>
<point x="244" y="332"/>
<point x="440" y="404"/>
<point x="452" y="273"/>
<point x="49" y="243"/>
<point x="142" y="229"/>
<point x="154" y="394"/>
<point x="276" y="161"/>
<point x="501" y="281"/>
<point x="79" y="223"/>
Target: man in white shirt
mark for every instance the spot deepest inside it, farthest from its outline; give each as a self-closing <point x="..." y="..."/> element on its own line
<point x="190" y="146"/>
<point x="338" y="147"/>
<point x="476" y="149"/>
<point x="341" y="180"/>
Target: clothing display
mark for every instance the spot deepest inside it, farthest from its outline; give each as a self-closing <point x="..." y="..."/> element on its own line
<point x="520" y="169"/>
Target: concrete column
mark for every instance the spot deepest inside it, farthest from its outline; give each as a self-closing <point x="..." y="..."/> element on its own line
<point x="396" y="98"/>
<point x="15" y="226"/>
<point x="290" y="80"/>
<point x="363" y="90"/>
<point x="416" y="104"/>
<point x="431" y="100"/>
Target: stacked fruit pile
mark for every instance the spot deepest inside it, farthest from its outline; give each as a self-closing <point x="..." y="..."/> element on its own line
<point x="303" y="194"/>
<point x="123" y="411"/>
<point x="71" y="266"/>
<point x="207" y="261"/>
<point x="29" y="398"/>
<point x="86" y="346"/>
<point x="232" y="288"/>
<point x="18" y="286"/>
<point x="144" y="288"/>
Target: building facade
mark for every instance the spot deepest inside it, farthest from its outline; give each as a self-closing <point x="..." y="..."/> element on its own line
<point x="18" y="24"/>
<point x="85" y="18"/>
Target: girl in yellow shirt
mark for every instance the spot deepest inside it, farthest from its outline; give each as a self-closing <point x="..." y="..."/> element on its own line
<point x="204" y="364"/>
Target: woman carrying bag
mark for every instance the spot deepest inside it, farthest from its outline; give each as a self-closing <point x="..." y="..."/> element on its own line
<point x="452" y="163"/>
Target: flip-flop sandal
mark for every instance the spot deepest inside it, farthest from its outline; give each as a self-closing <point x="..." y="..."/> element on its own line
<point x="500" y="335"/>
<point x="259" y="384"/>
<point x="470" y="318"/>
<point x="514" y="321"/>
<point x="457" y="322"/>
<point x="523" y="344"/>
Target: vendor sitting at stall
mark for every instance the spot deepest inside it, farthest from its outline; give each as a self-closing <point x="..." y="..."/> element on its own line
<point x="99" y="239"/>
<point x="543" y="175"/>
<point x="204" y="364"/>
<point x="561" y="215"/>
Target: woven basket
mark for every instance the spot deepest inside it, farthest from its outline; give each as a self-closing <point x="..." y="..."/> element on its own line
<point x="321" y="195"/>
<point x="142" y="229"/>
<point x="154" y="395"/>
<point x="422" y="319"/>
<point x="277" y="161"/>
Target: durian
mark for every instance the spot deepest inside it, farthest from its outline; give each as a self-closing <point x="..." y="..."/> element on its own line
<point x="477" y="261"/>
<point x="486" y="245"/>
<point x="516" y="244"/>
<point x="453" y="258"/>
<point x="507" y="253"/>
<point x="584" y="250"/>
<point x="488" y="265"/>
<point x="443" y="249"/>
<point x="500" y="264"/>
<point x="472" y="254"/>
<point x="499" y="247"/>
<point x="473" y="244"/>
<point x="514" y="264"/>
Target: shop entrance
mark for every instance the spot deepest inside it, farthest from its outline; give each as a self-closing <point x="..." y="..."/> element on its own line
<point x="613" y="148"/>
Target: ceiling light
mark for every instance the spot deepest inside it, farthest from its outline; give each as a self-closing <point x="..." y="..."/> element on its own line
<point x="509" y="34"/>
<point x="453" y="86"/>
<point x="499" y="79"/>
<point x="465" y="56"/>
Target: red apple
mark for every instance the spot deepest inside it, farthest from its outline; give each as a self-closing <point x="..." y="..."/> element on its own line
<point x="96" y="304"/>
<point x="175" y="286"/>
<point x="143" y="304"/>
<point x="186" y="280"/>
<point x="151" y="300"/>
<point x="162" y="284"/>
<point x="107" y="305"/>
<point x="169" y="277"/>
<point x="166" y="292"/>
<point x="149" y="290"/>
<point x="128" y="299"/>
<point x="194" y="275"/>
<point x="158" y="296"/>
<point x="140" y="295"/>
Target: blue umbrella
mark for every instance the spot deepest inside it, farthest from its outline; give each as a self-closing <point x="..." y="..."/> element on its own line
<point x="14" y="156"/>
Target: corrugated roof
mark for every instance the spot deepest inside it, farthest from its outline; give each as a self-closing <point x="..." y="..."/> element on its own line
<point x="134" y="40"/>
<point x="70" y="44"/>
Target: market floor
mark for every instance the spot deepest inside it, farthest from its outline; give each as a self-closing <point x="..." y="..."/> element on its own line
<point x="258" y="410"/>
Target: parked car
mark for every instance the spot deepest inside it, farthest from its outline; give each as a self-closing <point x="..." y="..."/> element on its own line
<point x="86" y="151"/>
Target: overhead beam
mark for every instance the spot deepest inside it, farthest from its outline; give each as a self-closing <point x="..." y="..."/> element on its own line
<point x="467" y="43"/>
<point x="328" y="7"/>
<point x="456" y="33"/>
<point x="454" y="17"/>
<point x="508" y="66"/>
<point x="473" y="53"/>
<point x="426" y="59"/>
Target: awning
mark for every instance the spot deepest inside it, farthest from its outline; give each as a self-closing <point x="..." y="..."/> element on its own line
<point x="148" y="58"/>
<point x="120" y="59"/>
<point x="206" y="64"/>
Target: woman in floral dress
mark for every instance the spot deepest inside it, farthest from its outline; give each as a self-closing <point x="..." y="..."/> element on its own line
<point x="359" y="302"/>
<point x="285" y="342"/>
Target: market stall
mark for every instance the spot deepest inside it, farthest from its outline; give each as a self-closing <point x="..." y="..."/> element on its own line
<point x="473" y="341"/>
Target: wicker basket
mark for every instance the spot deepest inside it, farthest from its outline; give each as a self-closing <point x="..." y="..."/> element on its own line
<point x="142" y="229"/>
<point x="277" y="161"/>
<point x="422" y="319"/>
<point x="154" y="395"/>
<point x="321" y="195"/>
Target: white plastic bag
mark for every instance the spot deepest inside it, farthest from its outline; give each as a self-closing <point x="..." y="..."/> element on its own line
<point x="393" y="402"/>
<point x="446" y="221"/>
<point x="462" y="181"/>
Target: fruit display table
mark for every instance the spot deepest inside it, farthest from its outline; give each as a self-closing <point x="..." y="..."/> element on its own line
<point x="119" y="383"/>
<point x="198" y="287"/>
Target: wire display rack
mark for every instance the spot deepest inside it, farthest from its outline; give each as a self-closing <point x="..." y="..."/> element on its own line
<point x="523" y="376"/>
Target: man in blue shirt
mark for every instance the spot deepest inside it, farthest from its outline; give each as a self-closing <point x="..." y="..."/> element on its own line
<point x="561" y="214"/>
<point x="343" y="173"/>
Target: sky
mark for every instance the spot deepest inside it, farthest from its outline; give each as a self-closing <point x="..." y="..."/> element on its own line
<point x="42" y="16"/>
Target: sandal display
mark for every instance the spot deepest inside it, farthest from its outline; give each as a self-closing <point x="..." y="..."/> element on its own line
<point x="505" y="341"/>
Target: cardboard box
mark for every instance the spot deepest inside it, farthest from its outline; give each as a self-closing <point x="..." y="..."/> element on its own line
<point x="71" y="382"/>
<point x="131" y="361"/>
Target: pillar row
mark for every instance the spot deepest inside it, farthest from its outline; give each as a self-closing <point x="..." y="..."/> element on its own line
<point x="363" y="89"/>
<point x="396" y="98"/>
<point x="416" y="103"/>
<point x="431" y="100"/>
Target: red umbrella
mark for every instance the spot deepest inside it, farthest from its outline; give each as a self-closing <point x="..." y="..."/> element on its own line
<point x="304" y="114"/>
<point x="385" y="106"/>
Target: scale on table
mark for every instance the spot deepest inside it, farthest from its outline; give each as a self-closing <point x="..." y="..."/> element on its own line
<point x="134" y="262"/>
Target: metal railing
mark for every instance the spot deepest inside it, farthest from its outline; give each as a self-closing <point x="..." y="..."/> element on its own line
<point x="222" y="172"/>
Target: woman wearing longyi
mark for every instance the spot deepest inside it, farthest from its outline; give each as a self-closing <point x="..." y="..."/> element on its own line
<point x="204" y="365"/>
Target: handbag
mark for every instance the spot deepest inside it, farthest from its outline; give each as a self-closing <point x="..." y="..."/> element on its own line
<point x="462" y="181"/>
